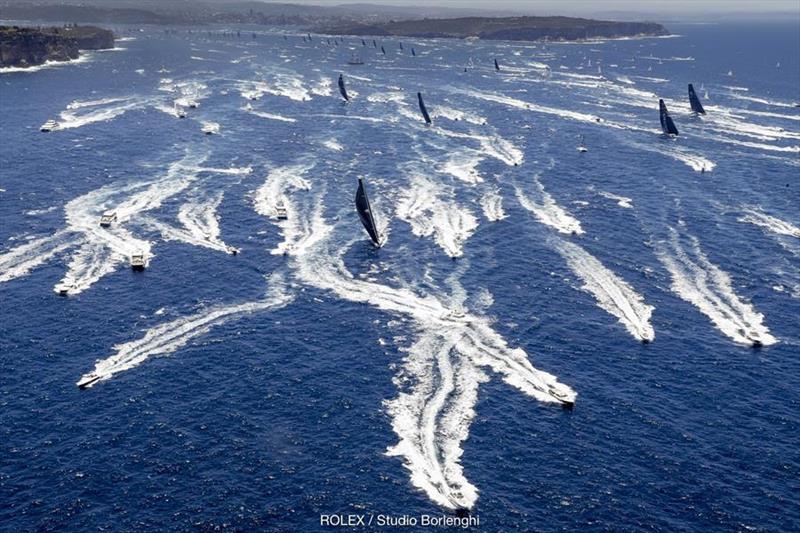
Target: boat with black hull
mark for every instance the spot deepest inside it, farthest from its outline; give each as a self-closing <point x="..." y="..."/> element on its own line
<point x="87" y="380"/>
<point x="342" y="89"/>
<point x="424" y="110"/>
<point x="365" y="213"/>
<point x="694" y="101"/>
<point x="667" y="124"/>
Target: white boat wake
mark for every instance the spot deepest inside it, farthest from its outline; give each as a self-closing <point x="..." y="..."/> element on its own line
<point x="611" y="293"/>
<point x="171" y="336"/>
<point x="703" y="284"/>
<point x="442" y="370"/>
<point x="424" y="208"/>
<point x="547" y="211"/>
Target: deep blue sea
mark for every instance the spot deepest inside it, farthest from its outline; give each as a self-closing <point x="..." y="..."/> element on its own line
<point x="313" y="373"/>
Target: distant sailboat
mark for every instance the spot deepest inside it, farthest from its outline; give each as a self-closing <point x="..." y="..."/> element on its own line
<point x="730" y="73"/>
<point x="365" y="213"/>
<point x="424" y="110"/>
<point x="383" y="50"/>
<point x="374" y="43"/>
<point x="363" y="42"/>
<point x="342" y="88"/>
<point x="355" y="59"/>
<point x="496" y="65"/>
<point x="413" y="52"/>
<point x="667" y="125"/>
<point x="694" y="101"/>
<point x="401" y="45"/>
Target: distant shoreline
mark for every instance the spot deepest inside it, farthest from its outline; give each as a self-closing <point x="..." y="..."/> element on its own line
<point x="531" y="29"/>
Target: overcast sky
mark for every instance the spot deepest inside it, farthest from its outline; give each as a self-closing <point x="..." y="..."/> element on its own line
<point x="592" y="6"/>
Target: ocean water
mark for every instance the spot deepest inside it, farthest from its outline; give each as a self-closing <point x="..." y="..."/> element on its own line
<point x="315" y="374"/>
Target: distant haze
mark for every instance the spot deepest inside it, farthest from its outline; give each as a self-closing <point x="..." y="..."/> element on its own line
<point x="589" y="7"/>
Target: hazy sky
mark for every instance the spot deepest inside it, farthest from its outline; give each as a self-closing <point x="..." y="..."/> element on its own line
<point x="592" y="6"/>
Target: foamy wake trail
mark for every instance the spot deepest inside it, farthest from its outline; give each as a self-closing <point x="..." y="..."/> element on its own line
<point x="463" y="165"/>
<point x="694" y="161"/>
<point x="622" y="201"/>
<point x="92" y="261"/>
<point x="171" y="336"/>
<point x="612" y="294"/>
<point x="442" y="370"/>
<point x="18" y="261"/>
<point x="492" y="204"/>
<point x="707" y="287"/>
<point x="278" y="189"/>
<point x="128" y="201"/>
<point x="80" y="113"/>
<point x="200" y="224"/>
<point x="770" y="223"/>
<point x="547" y="211"/>
<point x="423" y="207"/>
<point x="492" y="145"/>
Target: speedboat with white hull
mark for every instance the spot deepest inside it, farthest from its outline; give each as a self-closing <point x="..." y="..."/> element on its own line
<point x="50" y="125"/>
<point x="88" y="380"/>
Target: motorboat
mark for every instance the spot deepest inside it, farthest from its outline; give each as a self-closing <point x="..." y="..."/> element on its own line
<point x="191" y="104"/>
<point x="62" y="289"/>
<point x="108" y="218"/>
<point x="210" y="128"/>
<point x="355" y="59"/>
<point x="280" y="211"/>
<point x="179" y="112"/>
<point x="233" y="251"/>
<point x="87" y="380"/>
<point x="582" y="146"/>
<point x="567" y="401"/>
<point x="138" y="262"/>
<point x="50" y="125"/>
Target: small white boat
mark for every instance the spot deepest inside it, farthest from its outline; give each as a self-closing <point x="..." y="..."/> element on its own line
<point x="231" y="250"/>
<point x="210" y="128"/>
<point x="456" y="315"/>
<point x="582" y="146"/>
<point x="50" y="125"/>
<point x="567" y="401"/>
<point x="191" y="104"/>
<point x="63" y="289"/>
<point x="248" y="107"/>
<point x="138" y="262"/>
<point x="355" y="59"/>
<point x="280" y="211"/>
<point x="179" y="112"/>
<point x="108" y="218"/>
<point x="87" y="380"/>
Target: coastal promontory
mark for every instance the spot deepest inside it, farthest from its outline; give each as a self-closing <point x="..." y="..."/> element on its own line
<point x="27" y="47"/>
<point x="505" y="28"/>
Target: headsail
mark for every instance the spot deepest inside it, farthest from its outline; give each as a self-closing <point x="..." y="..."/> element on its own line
<point x="496" y="65"/>
<point x="365" y="213"/>
<point x="667" y="125"/>
<point x="424" y="109"/>
<point x="694" y="101"/>
<point x="383" y="50"/>
<point x="342" y="89"/>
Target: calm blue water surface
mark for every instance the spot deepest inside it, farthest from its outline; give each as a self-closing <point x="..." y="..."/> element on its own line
<point x="228" y="409"/>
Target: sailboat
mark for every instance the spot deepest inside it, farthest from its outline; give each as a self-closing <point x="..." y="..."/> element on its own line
<point x="413" y="52"/>
<point x="365" y="213"/>
<point x="383" y="50"/>
<point x="582" y="145"/>
<point x="342" y="89"/>
<point x="355" y="59"/>
<point x="401" y="45"/>
<point x="496" y="65"/>
<point x="424" y="110"/>
<point x="667" y="125"/>
<point x="694" y="101"/>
